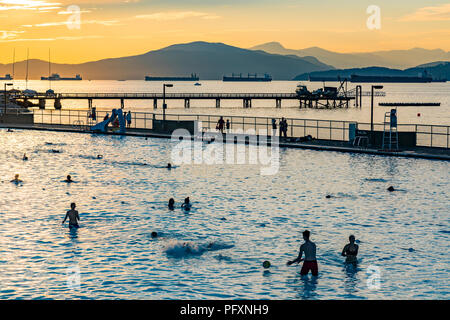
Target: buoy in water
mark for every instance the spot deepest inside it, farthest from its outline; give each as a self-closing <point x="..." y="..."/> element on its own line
<point x="266" y="264"/>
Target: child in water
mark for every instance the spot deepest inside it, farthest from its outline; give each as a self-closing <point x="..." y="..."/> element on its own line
<point x="16" y="179"/>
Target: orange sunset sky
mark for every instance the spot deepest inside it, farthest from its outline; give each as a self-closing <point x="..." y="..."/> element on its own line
<point x="115" y="28"/>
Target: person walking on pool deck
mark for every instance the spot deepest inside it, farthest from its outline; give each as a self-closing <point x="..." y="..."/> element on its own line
<point x="128" y="117"/>
<point x="310" y="261"/>
<point x="220" y="124"/>
<point x="73" y="216"/>
<point x="350" y="251"/>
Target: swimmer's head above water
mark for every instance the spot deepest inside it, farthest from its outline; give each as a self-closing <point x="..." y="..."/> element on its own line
<point x="73" y="205"/>
<point x="69" y="178"/>
<point x="169" y="166"/>
<point x="171" y="203"/>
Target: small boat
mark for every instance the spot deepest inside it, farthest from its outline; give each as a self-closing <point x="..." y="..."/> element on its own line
<point x="6" y="77"/>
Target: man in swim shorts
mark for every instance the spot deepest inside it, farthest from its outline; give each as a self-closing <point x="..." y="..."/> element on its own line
<point x="73" y="216"/>
<point x="310" y="261"/>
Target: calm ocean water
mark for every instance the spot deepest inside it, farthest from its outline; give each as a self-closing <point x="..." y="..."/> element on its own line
<point x="403" y="236"/>
<point x="433" y="92"/>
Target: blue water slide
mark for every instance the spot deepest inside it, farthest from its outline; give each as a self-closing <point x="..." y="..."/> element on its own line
<point x="103" y="126"/>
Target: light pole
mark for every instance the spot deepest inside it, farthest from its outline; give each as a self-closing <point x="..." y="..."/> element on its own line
<point x="371" y="107"/>
<point x="168" y="85"/>
<point x="6" y="84"/>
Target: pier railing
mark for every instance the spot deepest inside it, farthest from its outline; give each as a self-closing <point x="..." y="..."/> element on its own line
<point x="336" y="130"/>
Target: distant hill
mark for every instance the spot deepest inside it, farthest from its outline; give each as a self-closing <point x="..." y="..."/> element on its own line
<point x="209" y="60"/>
<point x="398" y="59"/>
<point x="438" y="70"/>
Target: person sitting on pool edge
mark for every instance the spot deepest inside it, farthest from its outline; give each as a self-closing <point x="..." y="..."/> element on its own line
<point x="73" y="216"/>
<point x="310" y="261"/>
<point x="350" y="251"/>
<point x="68" y="179"/>
<point x="171" y="204"/>
<point x="187" y="204"/>
<point x="16" y="179"/>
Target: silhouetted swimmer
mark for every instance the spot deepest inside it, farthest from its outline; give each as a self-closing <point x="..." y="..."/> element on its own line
<point x="350" y="251"/>
<point x="154" y="234"/>
<point x="310" y="261"/>
<point x="266" y="264"/>
<point x="25" y="158"/>
<point x="391" y="189"/>
<point x="56" y="151"/>
<point x="16" y="179"/>
<point x="187" y="204"/>
<point x="99" y="156"/>
<point x="73" y="216"/>
<point x="169" y="166"/>
<point x="328" y="196"/>
<point x="171" y="204"/>
<point x="68" y="179"/>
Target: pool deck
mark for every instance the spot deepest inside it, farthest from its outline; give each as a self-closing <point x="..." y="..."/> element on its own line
<point x="319" y="145"/>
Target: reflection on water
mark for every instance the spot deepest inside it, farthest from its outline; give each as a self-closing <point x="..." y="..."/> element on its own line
<point x="238" y="220"/>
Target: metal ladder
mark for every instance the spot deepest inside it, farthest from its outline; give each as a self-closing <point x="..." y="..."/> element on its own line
<point x="390" y="134"/>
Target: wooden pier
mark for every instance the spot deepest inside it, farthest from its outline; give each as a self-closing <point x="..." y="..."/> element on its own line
<point x="306" y="101"/>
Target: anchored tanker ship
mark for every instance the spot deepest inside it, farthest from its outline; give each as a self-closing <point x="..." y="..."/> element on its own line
<point x="193" y="77"/>
<point x="56" y="77"/>
<point x="250" y="77"/>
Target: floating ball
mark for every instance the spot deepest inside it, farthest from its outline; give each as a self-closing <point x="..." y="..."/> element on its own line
<point x="266" y="264"/>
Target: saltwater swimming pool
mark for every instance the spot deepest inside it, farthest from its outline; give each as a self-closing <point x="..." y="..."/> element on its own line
<point x="404" y="235"/>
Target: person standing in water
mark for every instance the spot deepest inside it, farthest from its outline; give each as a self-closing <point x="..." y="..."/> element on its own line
<point x="310" y="261"/>
<point x="187" y="204"/>
<point x="350" y="251"/>
<point x="73" y="216"/>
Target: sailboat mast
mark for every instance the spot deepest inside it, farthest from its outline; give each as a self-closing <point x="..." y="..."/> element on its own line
<point x="49" y="70"/>
<point x="14" y="62"/>
<point x="26" y="77"/>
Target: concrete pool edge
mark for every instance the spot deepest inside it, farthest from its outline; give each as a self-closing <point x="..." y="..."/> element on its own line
<point x="294" y="145"/>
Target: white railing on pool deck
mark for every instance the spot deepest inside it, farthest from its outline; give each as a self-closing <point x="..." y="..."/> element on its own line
<point x="427" y="135"/>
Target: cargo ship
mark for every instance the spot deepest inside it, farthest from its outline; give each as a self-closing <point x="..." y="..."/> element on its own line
<point x="6" y="77"/>
<point x="249" y="78"/>
<point x="56" y="77"/>
<point x="193" y="77"/>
